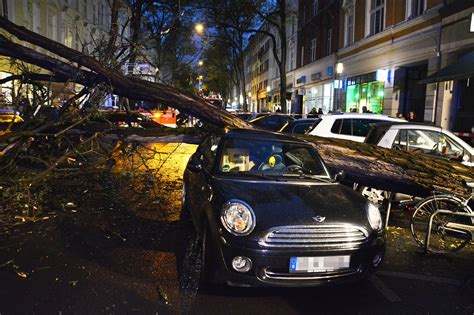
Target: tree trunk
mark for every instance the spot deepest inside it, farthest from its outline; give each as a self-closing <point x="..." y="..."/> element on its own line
<point x="372" y="166"/>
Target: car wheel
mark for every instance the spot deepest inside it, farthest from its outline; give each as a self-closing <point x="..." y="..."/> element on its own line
<point x="208" y="260"/>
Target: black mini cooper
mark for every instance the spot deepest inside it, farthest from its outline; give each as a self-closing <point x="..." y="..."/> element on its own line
<point x="268" y="212"/>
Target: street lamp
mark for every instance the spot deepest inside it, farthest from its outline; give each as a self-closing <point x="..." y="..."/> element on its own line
<point x="200" y="82"/>
<point x="200" y="63"/>
<point x="199" y="28"/>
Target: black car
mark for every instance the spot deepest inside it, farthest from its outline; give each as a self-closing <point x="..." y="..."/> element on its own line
<point x="268" y="212"/>
<point x="300" y="126"/>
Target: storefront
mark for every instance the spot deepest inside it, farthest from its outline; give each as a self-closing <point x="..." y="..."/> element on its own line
<point x="319" y="97"/>
<point x="365" y="91"/>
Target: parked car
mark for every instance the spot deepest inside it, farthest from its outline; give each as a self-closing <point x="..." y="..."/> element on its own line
<point x="9" y="118"/>
<point x="267" y="212"/>
<point x="300" y="126"/>
<point x="349" y="126"/>
<point x="249" y="116"/>
<point x="273" y="122"/>
<point x="422" y="138"/>
<point x="415" y="137"/>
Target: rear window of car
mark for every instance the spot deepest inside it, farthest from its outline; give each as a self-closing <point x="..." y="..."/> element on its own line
<point x="353" y="127"/>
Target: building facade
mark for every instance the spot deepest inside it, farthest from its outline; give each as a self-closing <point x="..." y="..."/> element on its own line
<point x="386" y="47"/>
<point x="261" y="68"/>
<point x="79" y="24"/>
<point x="317" y="46"/>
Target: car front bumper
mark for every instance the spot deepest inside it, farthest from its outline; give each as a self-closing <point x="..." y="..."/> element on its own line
<point x="270" y="267"/>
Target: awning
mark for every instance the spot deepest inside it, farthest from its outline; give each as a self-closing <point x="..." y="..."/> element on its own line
<point x="461" y="69"/>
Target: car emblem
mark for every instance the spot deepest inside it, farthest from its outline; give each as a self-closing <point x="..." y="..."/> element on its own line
<point x="319" y="218"/>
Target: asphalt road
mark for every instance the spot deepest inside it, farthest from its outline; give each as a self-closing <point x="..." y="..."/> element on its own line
<point x="77" y="262"/>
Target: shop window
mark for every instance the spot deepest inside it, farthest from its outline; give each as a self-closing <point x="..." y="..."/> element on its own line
<point x="377" y="14"/>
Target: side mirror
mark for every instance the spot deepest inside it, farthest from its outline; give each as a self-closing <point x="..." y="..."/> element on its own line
<point x="194" y="164"/>
<point x="466" y="158"/>
<point x="339" y="176"/>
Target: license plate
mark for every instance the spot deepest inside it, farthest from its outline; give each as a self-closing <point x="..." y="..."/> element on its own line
<point x="319" y="264"/>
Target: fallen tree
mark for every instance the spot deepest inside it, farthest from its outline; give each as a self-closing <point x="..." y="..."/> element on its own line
<point x="371" y="166"/>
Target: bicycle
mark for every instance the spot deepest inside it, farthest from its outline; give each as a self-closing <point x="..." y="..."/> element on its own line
<point x="444" y="223"/>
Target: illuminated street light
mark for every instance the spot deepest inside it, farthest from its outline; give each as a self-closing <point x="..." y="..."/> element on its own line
<point x="200" y="63"/>
<point x="339" y="67"/>
<point x="200" y="77"/>
<point x="269" y="88"/>
<point x="199" y="28"/>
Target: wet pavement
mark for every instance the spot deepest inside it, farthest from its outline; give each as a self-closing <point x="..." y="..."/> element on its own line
<point x="115" y="260"/>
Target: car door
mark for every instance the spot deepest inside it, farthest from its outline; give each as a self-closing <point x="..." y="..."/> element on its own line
<point x="431" y="142"/>
<point x="198" y="190"/>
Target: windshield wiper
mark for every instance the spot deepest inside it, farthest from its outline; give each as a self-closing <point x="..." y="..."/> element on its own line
<point x="309" y="176"/>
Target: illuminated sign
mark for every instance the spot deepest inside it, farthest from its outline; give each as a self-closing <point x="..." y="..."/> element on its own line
<point x="472" y="23"/>
<point x="382" y="75"/>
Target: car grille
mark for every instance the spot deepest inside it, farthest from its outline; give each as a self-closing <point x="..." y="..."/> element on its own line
<point x="321" y="237"/>
<point x="277" y="274"/>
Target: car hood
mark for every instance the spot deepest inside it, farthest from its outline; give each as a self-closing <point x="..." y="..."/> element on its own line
<point x="293" y="203"/>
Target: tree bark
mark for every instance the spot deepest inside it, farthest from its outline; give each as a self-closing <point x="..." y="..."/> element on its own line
<point x="391" y="170"/>
<point x="132" y="88"/>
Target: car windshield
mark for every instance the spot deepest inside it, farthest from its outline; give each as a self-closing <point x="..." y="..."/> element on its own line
<point x="270" y="157"/>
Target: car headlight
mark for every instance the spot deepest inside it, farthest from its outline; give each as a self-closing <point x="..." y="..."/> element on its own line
<point x="238" y="217"/>
<point x="373" y="214"/>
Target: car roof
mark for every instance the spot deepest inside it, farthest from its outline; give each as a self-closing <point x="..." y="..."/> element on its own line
<point x="361" y="115"/>
<point x="306" y="120"/>
<point x="259" y="135"/>
<point x="407" y="125"/>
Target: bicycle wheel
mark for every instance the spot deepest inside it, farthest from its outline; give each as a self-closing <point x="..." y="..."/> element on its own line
<point x="443" y="239"/>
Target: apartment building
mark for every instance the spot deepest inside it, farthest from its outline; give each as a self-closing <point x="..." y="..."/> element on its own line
<point x="388" y="47"/>
<point x="261" y="68"/>
<point x="79" y="24"/>
<point x="318" y="35"/>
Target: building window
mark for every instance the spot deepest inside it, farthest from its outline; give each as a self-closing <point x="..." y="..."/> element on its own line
<point x="4" y="8"/>
<point x="417" y="7"/>
<point x="314" y="7"/>
<point x="377" y="12"/>
<point x="328" y="42"/>
<point x="52" y="26"/>
<point x="302" y="56"/>
<point x="313" y="49"/>
<point x="349" y="27"/>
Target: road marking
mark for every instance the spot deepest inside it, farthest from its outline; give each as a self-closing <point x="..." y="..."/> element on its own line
<point x="388" y="293"/>
<point x="419" y="277"/>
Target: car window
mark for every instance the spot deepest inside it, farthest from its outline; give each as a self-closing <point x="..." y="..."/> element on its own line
<point x="346" y="127"/>
<point x="428" y="141"/>
<point x="336" y="127"/>
<point x="360" y="127"/>
<point x="273" y="123"/>
<point x="208" y="151"/>
<point x="247" y="157"/>
<point x="301" y="128"/>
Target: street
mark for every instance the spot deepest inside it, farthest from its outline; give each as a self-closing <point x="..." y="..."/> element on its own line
<point x="80" y="262"/>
